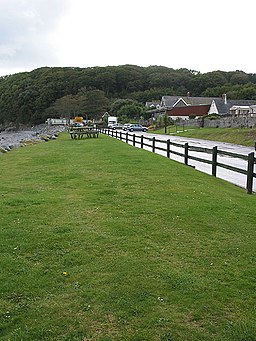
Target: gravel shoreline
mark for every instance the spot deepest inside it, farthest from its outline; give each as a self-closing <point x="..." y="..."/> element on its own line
<point x="14" y="139"/>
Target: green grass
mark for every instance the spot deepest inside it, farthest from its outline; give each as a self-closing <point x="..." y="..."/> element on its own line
<point x="242" y="136"/>
<point x="104" y="241"/>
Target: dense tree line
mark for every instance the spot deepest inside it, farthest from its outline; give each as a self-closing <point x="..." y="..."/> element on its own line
<point x="31" y="97"/>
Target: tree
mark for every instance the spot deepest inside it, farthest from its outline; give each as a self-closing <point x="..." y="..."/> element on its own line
<point x="118" y="104"/>
<point x="239" y="77"/>
<point x="91" y="104"/>
<point x="133" y="111"/>
<point x="65" y="106"/>
<point x="29" y="96"/>
<point x="95" y="104"/>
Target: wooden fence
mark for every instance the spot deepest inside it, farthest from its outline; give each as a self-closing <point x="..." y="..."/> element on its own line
<point x="151" y="143"/>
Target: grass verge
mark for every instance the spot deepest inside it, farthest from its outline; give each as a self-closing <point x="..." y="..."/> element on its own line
<point x="104" y="241"/>
<point x="242" y="136"/>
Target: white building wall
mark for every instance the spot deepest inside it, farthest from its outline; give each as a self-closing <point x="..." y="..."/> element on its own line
<point x="56" y="121"/>
<point x="174" y="118"/>
<point x="213" y="109"/>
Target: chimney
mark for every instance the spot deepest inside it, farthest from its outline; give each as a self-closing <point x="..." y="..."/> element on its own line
<point x="188" y="94"/>
<point x="224" y="96"/>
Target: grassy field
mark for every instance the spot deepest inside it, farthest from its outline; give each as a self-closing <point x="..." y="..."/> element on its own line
<point x="242" y="136"/>
<point x="104" y="241"/>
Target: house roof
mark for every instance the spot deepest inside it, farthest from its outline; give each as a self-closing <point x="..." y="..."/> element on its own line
<point x="222" y="105"/>
<point x="197" y="110"/>
<point x="170" y="101"/>
<point x="154" y="103"/>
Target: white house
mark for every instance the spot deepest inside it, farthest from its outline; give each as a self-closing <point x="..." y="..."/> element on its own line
<point x="216" y="105"/>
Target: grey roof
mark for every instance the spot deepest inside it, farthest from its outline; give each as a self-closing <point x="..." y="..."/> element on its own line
<point x="155" y="103"/>
<point x="169" y="101"/>
<point x="224" y="108"/>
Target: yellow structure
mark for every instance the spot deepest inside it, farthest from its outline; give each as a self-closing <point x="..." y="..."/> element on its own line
<point x="78" y="119"/>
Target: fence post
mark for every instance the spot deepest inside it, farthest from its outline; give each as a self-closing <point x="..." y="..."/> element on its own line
<point x="250" y="169"/>
<point x="112" y="133"/>
<point x="141" y="141"/>
<point x="214" y="161"/>
<point x="120" y="136"/>
<point x="153" y="144"/>
<point x="116" y="134"/>
<point x="186" y="154"/>
<point x="168" y="148"/>
<point x="133" y="141"/>
<point x="126" y="138"/>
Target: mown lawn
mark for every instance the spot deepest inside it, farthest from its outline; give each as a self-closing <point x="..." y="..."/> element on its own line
<point x="104" y="241"/>
<point x="242" y="136"/>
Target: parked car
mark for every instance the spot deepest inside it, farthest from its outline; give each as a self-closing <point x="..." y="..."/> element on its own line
<point x="78" y="124"/>
<point x="136" y="127"/>
<point x="116" y="126"/>
<point x="126" y="125"/>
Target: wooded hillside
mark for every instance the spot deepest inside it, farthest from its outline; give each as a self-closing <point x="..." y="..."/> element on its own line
<point x="31" y="97"/>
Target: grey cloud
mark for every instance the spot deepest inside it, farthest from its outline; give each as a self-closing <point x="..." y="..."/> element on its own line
<point x="24" y="27"/>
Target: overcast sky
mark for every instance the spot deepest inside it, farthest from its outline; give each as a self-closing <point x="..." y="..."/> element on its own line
<point x="200" y="35"/>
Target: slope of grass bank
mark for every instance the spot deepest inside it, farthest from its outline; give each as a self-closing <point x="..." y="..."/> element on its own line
<point x="242" y="136"/>
<point x="104" y="241"/>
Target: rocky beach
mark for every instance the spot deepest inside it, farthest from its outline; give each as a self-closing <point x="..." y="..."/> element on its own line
<point x="11" y="138"/>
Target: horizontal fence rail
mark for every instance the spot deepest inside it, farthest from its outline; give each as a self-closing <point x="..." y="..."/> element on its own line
<point x="150" y="142"/>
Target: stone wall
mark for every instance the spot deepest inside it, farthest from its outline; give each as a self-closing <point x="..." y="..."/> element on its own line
<point x="225" y="122"/>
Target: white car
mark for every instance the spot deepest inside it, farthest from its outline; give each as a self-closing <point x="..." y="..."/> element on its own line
<point x="116" y="126"/>
<point x="136" y="127"/>
<point x="126" y="125"/>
